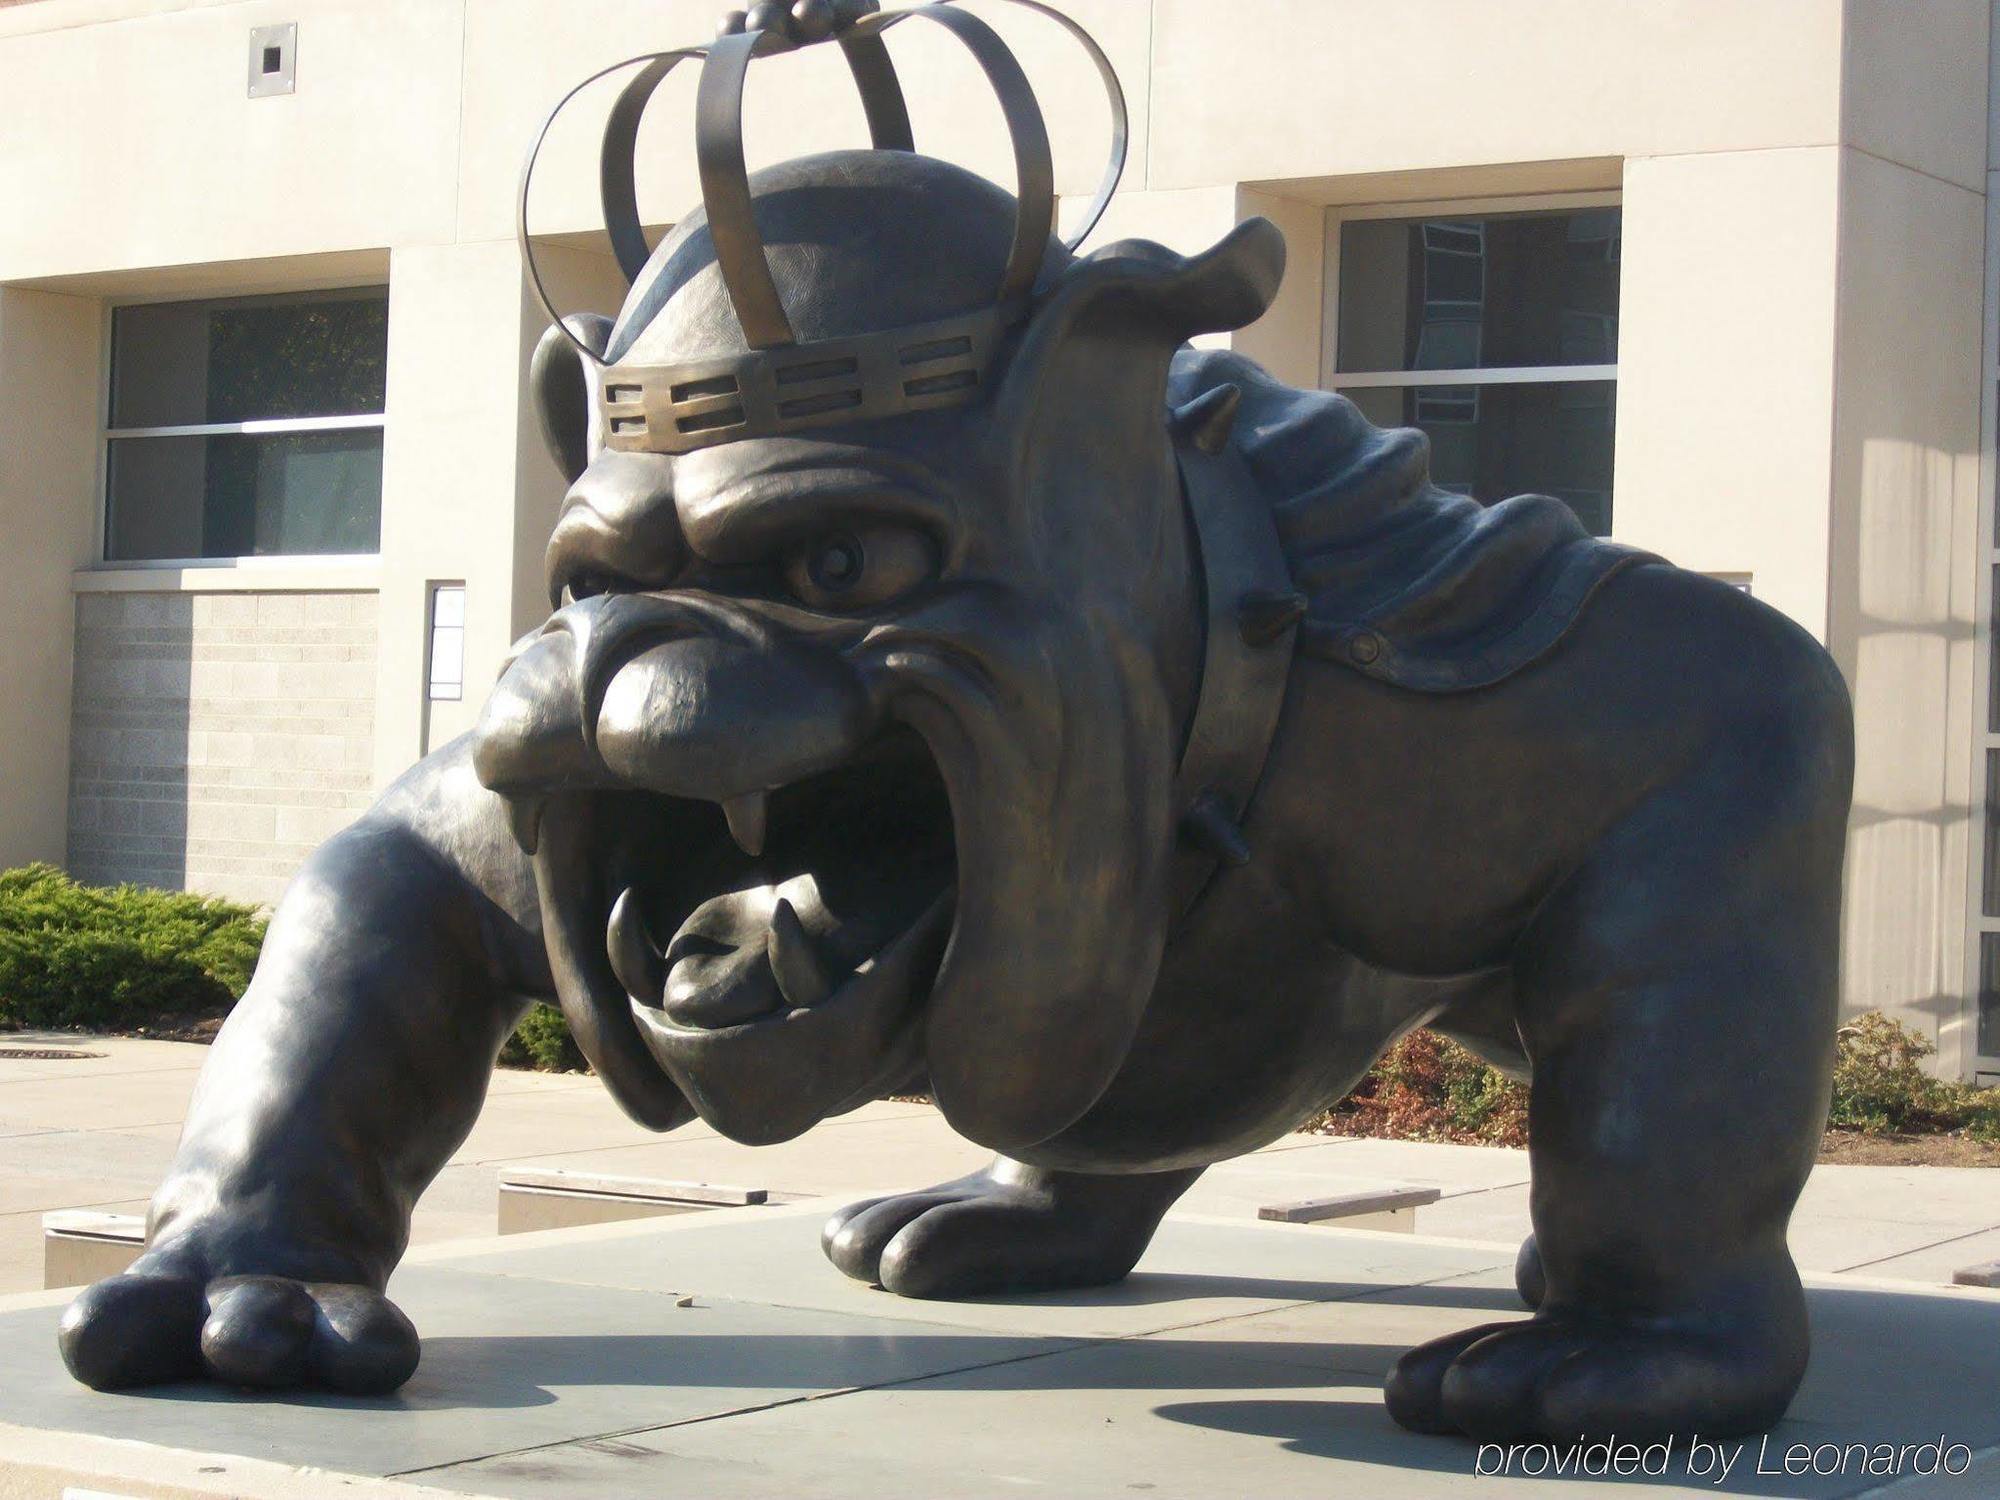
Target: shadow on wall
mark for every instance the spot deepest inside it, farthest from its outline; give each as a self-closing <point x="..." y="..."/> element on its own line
<point x="129" y="739"/>
<point x="1908" y="647"/>
<point x="219" y="738"/>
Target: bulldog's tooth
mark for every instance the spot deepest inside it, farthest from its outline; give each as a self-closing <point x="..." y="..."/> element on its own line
<point x="797" y="968"/>
<point x="635" y="959"/>
<point x="749" y="816"/>
<point x="524" y="814"/>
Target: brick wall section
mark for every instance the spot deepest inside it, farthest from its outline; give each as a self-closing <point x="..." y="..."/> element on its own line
<point x="218" y="739"/>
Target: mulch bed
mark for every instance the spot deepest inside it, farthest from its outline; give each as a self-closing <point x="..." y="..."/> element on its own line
<point x="1852" y="1148"/>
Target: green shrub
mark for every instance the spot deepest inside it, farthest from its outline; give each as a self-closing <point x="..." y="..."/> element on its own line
<point x="128" y="958"/>
<point x="542" y="1042"/>
<point x="1881" y="1088"/>
<point x="1429" y="1089"/>
<point x="83" y="956"/>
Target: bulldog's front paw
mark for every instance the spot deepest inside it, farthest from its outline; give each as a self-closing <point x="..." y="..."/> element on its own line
<point x="266" y="1332"/>
<point x="1562" y="1378"/>
<point x="982" y="1235"/>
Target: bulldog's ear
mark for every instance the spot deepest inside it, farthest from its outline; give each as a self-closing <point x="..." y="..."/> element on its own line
<point x="1110" y="326"/>
<point x="565" y="386"/>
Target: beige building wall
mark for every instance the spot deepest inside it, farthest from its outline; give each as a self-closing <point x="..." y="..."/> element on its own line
<point x="469" y="492"/>
<point x="1727" y="311"/>
<point x="448" y="474"/>
<point x="219" y="738"/>
<point x="49" y="398"/>
<point x="1906" y="505"/>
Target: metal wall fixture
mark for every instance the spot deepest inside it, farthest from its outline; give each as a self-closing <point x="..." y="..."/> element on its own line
<point x="274" y="60"/>
<point x="447" y="644"/>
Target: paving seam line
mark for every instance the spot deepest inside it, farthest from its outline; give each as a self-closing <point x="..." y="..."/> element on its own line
<point x="498" y="1161"/>
<point x="1498" y="1187"/>
<point x="1950" y="1239"/>
<point x="742" y="1411"/>
<point x="103" y="1129"/>
<point x="21" y="1213"/>
<point x="58" y="1077"/>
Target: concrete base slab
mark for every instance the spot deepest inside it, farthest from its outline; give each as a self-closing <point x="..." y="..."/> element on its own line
<point x="1241" y="1358"/>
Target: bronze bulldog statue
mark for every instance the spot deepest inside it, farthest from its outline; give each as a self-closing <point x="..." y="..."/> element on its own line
<point x="1125" y="748"/>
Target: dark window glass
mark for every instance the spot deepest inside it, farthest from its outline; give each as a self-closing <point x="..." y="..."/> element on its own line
<point x="254" y="359"/>
<point x="1493" y="441"/>
<point x="1993" y="663"/>
<point x="1989" y="994"/>
<point x="1990" y="892"/>
<point x="182" y="364"/>
<point x="245" y="495"/>
<point x="1464" y="294"/>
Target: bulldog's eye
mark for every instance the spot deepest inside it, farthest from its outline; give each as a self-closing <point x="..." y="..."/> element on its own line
<point x="859" y="569"/>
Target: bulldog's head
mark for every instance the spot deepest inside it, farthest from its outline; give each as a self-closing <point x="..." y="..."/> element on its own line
<point x="847" y="759"/>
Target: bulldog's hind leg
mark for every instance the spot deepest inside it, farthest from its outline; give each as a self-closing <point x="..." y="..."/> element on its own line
<point x="1678" y="998"/>
<point x="1009" y="1228"/>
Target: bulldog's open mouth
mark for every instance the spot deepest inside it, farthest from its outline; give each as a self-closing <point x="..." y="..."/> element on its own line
<point x="775" y="954"/>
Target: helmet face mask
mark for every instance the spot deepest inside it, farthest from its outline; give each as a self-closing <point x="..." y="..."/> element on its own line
<point x="887" y="259"/>
<point x="773" y="375"/>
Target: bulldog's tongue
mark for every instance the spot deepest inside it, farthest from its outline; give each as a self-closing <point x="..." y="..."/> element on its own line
<point x="741" y="955"/>
<point x="724" y="965"/>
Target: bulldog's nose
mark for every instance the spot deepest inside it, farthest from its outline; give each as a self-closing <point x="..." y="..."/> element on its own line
<point x="714" y="715"/>
<point x="680" y="693"/>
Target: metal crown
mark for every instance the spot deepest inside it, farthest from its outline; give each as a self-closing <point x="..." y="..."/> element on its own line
<point x="780" y="384"/>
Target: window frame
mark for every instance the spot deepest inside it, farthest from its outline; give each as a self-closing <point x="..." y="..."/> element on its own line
<point x="1958" y="1038"/>
<point x="1332" y="378"/>
<point x="107" y="434"/>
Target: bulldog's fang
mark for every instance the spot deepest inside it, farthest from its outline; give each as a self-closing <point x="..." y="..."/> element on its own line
<point x="749" y="817"/>
<point x="793" y="963"/>
<point x="635" y="959"/>
<point x="524" y="815"/>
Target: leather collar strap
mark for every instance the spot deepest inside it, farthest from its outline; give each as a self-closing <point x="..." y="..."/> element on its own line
<point x="1253" y="612"/>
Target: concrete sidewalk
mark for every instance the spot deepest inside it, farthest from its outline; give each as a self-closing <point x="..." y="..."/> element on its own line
<point x="718" y="1355"/>
<point x="99" y="1133"/>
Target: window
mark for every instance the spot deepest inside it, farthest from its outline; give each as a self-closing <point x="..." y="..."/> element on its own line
<point x="246" y="428"/>
<point x="1498" y="336"/>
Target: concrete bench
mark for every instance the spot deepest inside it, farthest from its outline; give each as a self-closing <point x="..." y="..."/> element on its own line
<point x="80" y="1246"/>
<point x="552" y="1198"/>
<point x="1373" y="1208"/>
<point x="1986" y="1275"/>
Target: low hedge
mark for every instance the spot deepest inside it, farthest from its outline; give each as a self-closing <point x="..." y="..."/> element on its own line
<point x="77" y="957"/>
<point x="542" y="1042"/>
<point x="117" y="958"/>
